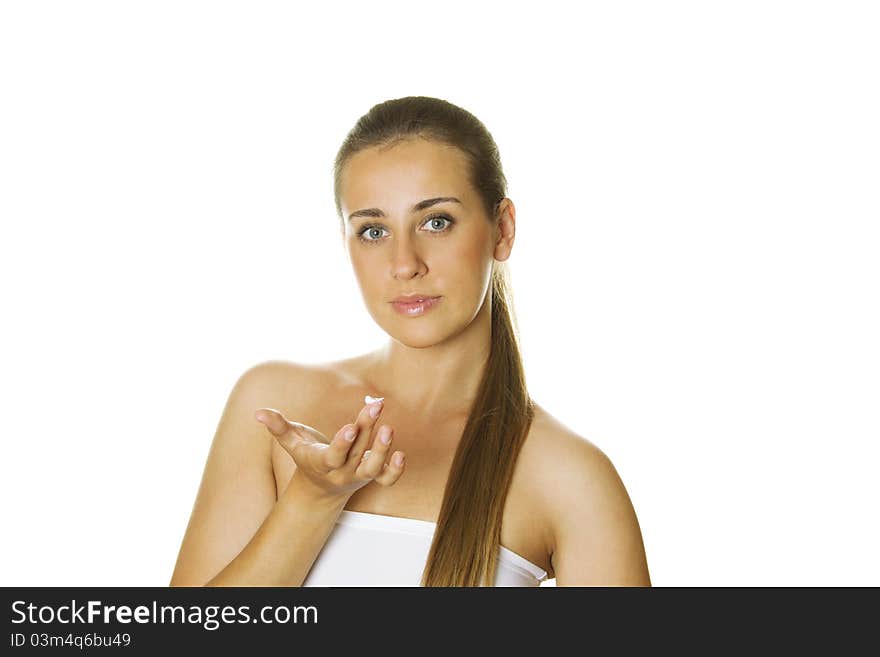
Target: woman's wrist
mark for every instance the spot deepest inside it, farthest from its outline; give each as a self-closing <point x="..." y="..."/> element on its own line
<point x="305" y="491"/>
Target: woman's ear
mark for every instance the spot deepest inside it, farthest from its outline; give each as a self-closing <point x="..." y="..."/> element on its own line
<point x="505" y="229"/>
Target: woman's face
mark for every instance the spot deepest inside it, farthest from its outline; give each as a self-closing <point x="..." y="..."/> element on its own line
<point x="397" y="247"/>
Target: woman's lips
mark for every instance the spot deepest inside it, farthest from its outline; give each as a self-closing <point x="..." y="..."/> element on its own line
<point x="415" y="308"/>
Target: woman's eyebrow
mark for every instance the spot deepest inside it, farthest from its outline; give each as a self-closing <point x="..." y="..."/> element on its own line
<point x="421" y="205"/>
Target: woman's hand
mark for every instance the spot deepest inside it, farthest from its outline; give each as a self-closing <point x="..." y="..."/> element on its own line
<point x="340" y="466"/>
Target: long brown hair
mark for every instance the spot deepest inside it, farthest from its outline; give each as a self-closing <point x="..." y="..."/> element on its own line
<point x="465" y="548"/>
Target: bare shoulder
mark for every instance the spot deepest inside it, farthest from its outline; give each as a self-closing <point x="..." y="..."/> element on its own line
<point x="283" y="384"/>
<point x="237" y="489"/>
<point x="594" y="535"/>
<point x="558" y="441"/>
<point x="287" y="386"/>
<point x="561" y="455"/>
<point x="557" y="458"/>
<point x="298" y="391"/>
<point x="280" y="379"/>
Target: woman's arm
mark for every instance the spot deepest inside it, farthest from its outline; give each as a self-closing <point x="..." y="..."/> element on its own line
<point x="286" y="545"/>
<point x="597" y="537"/>
<point x="238" y="532"/>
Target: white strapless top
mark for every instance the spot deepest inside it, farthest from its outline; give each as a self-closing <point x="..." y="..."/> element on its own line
<point x="370" y="550"/>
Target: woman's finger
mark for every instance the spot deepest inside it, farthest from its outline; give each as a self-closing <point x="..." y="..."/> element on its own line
<point x="365" y="422"/>
<point x="373" y="462"/>
<point x="285" y="432"/>
<point x="392" y="470"/>
<point x="308" y="434"/>
<point x="273" y="420"/>
<point x="336" y="453"/>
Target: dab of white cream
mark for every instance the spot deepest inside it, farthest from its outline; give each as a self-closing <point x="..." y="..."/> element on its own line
<point x="370" y="400"/>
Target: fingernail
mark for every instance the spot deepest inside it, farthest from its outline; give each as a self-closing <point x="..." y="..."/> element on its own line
<point x="370" y="400"/>
<point x="385" y="436"/>
<point x="349" y="434"/>
<point x="400" y="459"/>
<point x="375" y="408"/>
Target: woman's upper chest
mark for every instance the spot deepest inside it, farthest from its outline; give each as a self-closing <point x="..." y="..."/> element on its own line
<point x="430" y="450"/>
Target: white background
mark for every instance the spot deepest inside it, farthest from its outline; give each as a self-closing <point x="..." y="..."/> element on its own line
<point x="695" y="267"/>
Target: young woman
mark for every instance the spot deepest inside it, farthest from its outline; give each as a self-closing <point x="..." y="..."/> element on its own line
<point x="300" y="488"/>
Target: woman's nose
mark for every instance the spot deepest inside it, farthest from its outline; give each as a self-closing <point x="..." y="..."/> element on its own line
<point x="406" y="260"/>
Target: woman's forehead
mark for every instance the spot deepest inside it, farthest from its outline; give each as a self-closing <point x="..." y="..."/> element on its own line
<point x="403" y="174"/>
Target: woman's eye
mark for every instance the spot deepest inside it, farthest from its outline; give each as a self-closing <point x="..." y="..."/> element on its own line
<point x="368" y="234"/>
<point x="433" y="219"/>
<point x="369" y="230"/>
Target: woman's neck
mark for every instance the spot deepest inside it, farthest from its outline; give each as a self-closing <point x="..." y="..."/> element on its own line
<point x="436" y="381"/>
